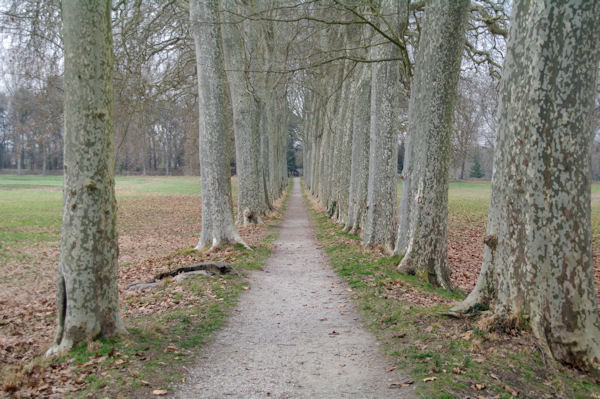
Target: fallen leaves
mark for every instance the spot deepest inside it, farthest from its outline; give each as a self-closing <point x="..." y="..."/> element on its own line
<point x="479" y="387"/>
<point x="28" y="305"/>
<point x="160" y="392"/>
<point x="511" y="391"/>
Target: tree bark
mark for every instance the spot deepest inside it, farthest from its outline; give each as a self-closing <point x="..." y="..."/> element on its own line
<point x="251" y="199"/>
<point x="87" y="294"/>
<point x="359" y="174"/>
<point x="380" y="222"/>
<point x="538" y="257"/>
<point x="431" y="106"/>
<point x="215" y="123"/>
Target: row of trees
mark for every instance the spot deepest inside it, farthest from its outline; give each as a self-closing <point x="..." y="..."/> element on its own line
<point x="156" y="101"/>
<point x="538" y="258"/>
<point x="248" y="109"/>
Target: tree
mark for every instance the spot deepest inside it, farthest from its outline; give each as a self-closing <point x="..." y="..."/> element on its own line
<point x="467" y="115"/>
<point x="538" y="257"/>
<point x="476" y="170"/>
<point x="87" y="293"/>
<point x="252" y="203"/>
<point x="218" y="227"/>
<point x="423" y="238"/>
<point x="380" y="221"/>
<point x="359" y="173"/>
<point x="291" y="156"/>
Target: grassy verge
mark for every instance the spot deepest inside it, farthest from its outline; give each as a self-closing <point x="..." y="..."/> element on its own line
<point x="444" y="358"/>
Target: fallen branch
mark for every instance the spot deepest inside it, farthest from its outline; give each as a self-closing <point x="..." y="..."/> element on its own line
<point x="179" y="274"/>
<point x="211" y="267"/>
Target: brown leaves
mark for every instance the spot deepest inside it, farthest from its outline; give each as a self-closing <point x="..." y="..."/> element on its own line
<point x="155" y="235"/>
<point x="465" y="252"/>
<point x="511" y="391"/>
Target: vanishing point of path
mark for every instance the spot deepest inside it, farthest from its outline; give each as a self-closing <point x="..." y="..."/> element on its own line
<point x="294" y="333"/>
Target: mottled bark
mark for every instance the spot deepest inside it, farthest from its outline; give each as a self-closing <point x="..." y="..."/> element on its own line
<point x="215" y="127"/>
<point x="335" y="125"/>
<point x="380" y="222"/>
<point x="359" y="173"/>
<point x="252" y="203"/>
<point x="538" y="257"/>
<point x="433" y="95"/>
<point x="87" y="294"/>
<point x="344" y="165"/>
<point x="406" y="197"/>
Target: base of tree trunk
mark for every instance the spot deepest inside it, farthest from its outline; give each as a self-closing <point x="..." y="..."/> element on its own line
<point x="208" y="246"/>
<point x="67" y="344"/>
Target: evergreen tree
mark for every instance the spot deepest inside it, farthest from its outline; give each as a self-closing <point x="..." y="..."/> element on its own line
<point x="476" y="170"/>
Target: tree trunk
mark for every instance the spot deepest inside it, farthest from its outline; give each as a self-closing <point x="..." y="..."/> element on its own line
<point x="538" y="258"/>
<point x="359" y="173"/>
<point x="345" y="125"/>
<point x="44" y="158"/>
<point x="251" y="199"/>
<point x="432" y="100"/>
<point x="217" y="221"/>
<point x="87" y="294"/>
<point x="380" y="222"/>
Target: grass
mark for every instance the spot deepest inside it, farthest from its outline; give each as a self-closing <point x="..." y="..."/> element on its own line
<point x="31" y="206"/>
<point x="159" y="346"/>
<point x="415" y="337"/>
<point x="443" y="357"/>
<point x="469" y="201"/>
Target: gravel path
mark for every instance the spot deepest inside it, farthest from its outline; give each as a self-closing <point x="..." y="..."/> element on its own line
<point x="295" y="333"/>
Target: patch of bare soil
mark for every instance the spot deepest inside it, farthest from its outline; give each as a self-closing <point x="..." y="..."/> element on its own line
<point x="155" y="235"/>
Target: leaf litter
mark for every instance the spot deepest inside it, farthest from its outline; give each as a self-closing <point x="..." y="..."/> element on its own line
<point x="156" y="234"/>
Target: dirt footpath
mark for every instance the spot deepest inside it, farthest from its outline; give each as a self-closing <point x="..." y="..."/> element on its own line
<point x="295" y="333"/>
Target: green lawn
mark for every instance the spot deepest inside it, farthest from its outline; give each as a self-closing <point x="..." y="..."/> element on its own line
<point x="469" y="200"/>
<point x="30" y="206"/>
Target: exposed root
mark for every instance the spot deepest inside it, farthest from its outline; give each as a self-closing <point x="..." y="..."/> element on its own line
<point x="355" y="230"/>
